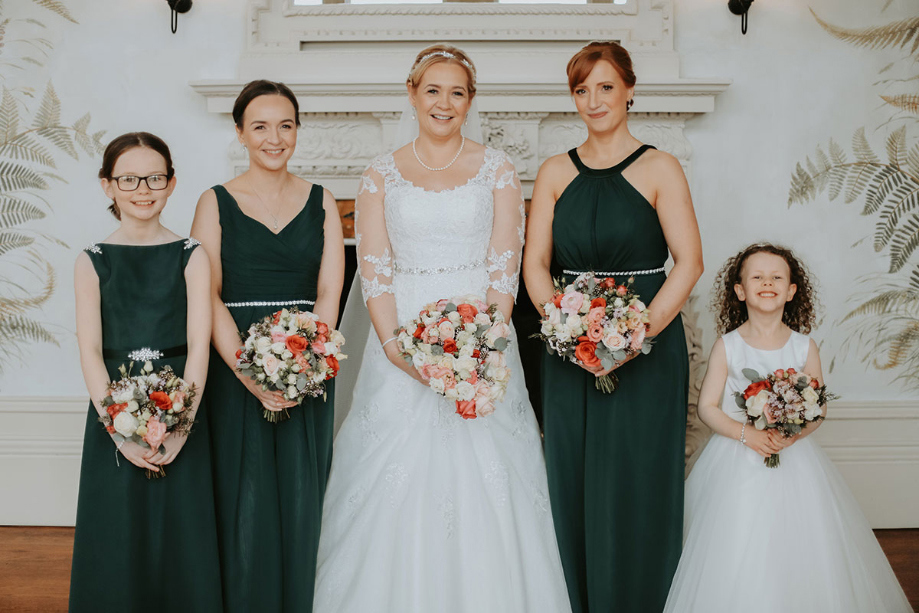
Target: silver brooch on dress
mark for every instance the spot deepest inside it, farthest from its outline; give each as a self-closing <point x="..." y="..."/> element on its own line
<point x="94" y="248"/>
<point x="191" y="242"/>
<point x="145" y="354"/>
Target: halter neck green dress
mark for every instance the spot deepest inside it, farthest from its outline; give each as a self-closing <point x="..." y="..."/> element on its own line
<point x="270" y="478"/>
<point x="144" y="544"/>
<point x="615" y="461"/>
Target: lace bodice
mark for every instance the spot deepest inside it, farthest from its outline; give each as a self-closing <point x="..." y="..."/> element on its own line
<point x="472" y="231"/>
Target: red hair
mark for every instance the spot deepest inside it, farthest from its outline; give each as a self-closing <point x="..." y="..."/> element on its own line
<point x="584" y="61"/>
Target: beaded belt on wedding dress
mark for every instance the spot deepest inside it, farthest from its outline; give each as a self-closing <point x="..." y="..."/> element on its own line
<point x="144" y="353"/>
<point x="627" y="273"/>
<point x="250" y="303"/>
<point x="438" y="271"/>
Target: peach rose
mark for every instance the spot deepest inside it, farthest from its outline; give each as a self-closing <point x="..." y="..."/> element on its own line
<point x="638" y="338"/>
<point x="446" y="329"/>
<point x="156" y="433"/>
<point x="595" y="333"/>
<point x="430" y="335"/>
<point x="596" y="315"/>
<point x="271" y="365"/>
<point x="614" y="341"/>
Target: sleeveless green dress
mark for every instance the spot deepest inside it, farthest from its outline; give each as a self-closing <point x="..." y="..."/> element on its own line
<point x="144" y="544"/>
<point x="269" y="479"/>
<point x="615" y="461"/>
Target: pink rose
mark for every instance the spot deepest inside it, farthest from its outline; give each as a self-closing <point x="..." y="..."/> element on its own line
<point x="278" y="337"/>
<point x="595" y="332"/>
<point x="571" y="303"/>
<point x="156" y="433"/>
<point x="638" y="338"/>
<point x="446" y="329"/>
<point x="614" y="341"/>
<point x="430" y="335"/>
<point x="496" y="358"/>
<point x="318" y="347"/>
<point x="499" y="329"/>
<point x="449" y="379"/>
<point x="484" y="405"/>
<point x="596" y="315"/>
<point x="271" y="364"/>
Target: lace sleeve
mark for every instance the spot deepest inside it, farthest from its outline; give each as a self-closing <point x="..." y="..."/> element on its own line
<point x="374" y="257"/>
<point x="506" y="246"/>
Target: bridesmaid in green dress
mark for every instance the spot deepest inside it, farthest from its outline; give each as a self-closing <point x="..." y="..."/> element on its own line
<point x="615" y="461"/>
<point x="142" y="294"/>
<point x="274" y="240"/>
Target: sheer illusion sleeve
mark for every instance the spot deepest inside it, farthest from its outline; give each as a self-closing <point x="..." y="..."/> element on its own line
<point x="506" y="246"/>
<point x="374" y="257"/>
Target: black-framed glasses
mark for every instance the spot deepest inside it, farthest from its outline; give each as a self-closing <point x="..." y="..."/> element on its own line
<point x="129" y="183"/>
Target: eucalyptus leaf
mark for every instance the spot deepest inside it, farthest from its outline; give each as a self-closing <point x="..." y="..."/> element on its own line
<point x="607" y="363"/>
<point x="162" y="449"/>
<point x="752" y="375"/>
<point x="449" y="308"/>
<point x="646" y="348"/>
<point x="603" y="352"/>
<point x="480" y="331"/>
<point x="301" y="382"/>
<point x="117" y="437"/>
<point x="437" y="350"/>
<point x="139" y="396"/>
<point x="563" y="318"/>
<point x="108" y="401"/>
<point x="793" y="428"/>
<point x="619" y="354"/>
<point x="739" y="399"/>
<point x="500" y="343"/>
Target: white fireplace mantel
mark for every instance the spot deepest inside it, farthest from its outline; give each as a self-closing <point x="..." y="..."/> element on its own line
<point x="347" y="65"/>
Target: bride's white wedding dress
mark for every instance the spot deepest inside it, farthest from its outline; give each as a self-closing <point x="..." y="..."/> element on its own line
<point x="425" y="511"/>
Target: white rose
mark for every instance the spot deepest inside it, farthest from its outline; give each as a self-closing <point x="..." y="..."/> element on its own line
<point x="125" y="424"/>
<point x="563" y="334"/>
<point x="618" y="302"/>
<point x="278" y="330"/>
<point x="462" y="340"/>
<point x="465" y="390"/>
<point x="418" y="360"/>
<point x="291" y="379"/>
<point x="263" y="344"/>
<point x="278" y="348"/>
<point x="482" y="319"/>
<point x="292" y="392"/>
<point x="496" y="392"/>
<point x="274" y="378"/>
<point x="427" y="320"/>
<point x="809" y="395"/>
<point x="294" y="367"/>
<point x="122" y="396"/>
<point x="132" y="405"/>
<point x="451" y="394"/>
<point x="614" y="341"/>
<point x="573" y="323"/>
<point x="318" y="377"/>
<point x="756" y="404"/>
<point x="437" y="385"/>
<point x="446" y="361"/>
<point x="465" y="365"/>
<point x="811" y="411"/>
<point x="337" y="337"/>
<point x="148" y="366"/>
<point x="546" y="329"/>
<point x="250" y="342"/>
<point x="286" y="355"/>
<point x="454" y="318"/>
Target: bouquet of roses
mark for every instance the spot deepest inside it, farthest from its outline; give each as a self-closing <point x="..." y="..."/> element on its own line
<point x="458" y="347"/>
<point x="595" y="322"/>
<point x="786" y="400"/>
<point x="146" y="407"/>
<point x="291" y="352"/>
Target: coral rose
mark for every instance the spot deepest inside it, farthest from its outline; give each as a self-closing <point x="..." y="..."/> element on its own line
<point x="296" y="344"/>
<point x="466" y="409"/>
<point x="596" y="315"/>
<point x="586" y="354"/>
<point x="162" y="401"/>
<point x="450" y="346"/>
<point x="754" y="388"/>
<point x="600" y="301"/>
<point x="595" y="333"/>
<point x="332" y="361"/>
<point x="467" y="312"/>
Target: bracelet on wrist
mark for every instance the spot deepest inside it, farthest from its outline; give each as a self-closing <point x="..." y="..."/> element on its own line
<point x="743" y="441"/>
<point x="388" y="340"/>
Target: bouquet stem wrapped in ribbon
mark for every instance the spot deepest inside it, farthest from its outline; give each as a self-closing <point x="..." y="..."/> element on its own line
<point x="291" y="352"/>
<point x="146" y="408"/>
<point x="458" y="346"/>
<point x="785" y="400"/>
<point x="595" y="322"/>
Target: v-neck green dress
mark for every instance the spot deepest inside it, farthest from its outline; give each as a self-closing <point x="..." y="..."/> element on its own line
<point x="269" y="478"/>
<point x="144" y="545"/>
<point x="615" y="461"/>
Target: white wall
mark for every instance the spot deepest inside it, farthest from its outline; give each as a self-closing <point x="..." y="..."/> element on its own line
<point x="793" y="88"/>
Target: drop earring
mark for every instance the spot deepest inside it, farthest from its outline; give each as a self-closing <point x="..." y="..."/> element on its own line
<point x="628" y="105"/>
<point x="466" y="121"/>
<point x="413" y="113"/>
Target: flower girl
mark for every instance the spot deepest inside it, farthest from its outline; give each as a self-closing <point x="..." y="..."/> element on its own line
<point x="143" y="302"/>
<point x="771" y="540"/>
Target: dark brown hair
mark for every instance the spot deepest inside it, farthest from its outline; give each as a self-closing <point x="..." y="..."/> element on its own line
<point x="126" y="142"/>
<point x="584" y="61"/>
<point x="800" y="312"/>
<point x="435" y="54"/>
<point x="261" y="87"/>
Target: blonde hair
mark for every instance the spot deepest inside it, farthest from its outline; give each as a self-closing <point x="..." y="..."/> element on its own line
<point x="436" y="54"/>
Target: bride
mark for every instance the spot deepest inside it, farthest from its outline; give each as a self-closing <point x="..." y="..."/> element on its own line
<point x="426" y="511"/>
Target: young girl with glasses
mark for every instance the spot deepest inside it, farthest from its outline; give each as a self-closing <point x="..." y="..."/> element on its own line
<point x="143" y="294"/>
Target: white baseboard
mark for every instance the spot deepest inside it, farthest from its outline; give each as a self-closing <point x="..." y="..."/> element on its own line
<point x="875" y="445"/>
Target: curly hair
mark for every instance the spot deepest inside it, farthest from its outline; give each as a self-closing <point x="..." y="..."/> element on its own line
<point x="800" y="312"/>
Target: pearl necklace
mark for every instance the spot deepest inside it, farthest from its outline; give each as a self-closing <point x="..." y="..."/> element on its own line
<point x="455" y="157"/>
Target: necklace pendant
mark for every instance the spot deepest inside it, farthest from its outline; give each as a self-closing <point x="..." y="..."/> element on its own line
<point x="275" y="225"/>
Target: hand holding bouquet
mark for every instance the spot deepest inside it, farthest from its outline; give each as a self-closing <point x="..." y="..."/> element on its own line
<point x="785" y="400"/>
<point x="458" y="347"/>
<point x="595" y="323"/>
<point x="145" y="408"/>
<point x="290" y="352"/>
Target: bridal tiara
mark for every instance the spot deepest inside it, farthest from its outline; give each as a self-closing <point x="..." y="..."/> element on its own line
<point x="449" y="56"/>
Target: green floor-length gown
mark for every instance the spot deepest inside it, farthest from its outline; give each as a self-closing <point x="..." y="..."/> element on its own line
<point x="270" y="478"/>
<point x="615" y="461"/>
<point x="144" y="545"/>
